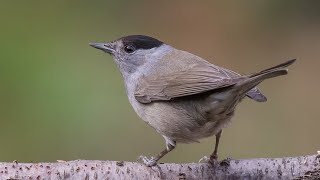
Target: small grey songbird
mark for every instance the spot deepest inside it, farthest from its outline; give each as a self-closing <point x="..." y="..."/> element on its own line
<point x="182" y="96"/>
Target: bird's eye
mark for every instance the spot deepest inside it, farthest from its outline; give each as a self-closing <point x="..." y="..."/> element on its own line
<point x="129" y="49"/>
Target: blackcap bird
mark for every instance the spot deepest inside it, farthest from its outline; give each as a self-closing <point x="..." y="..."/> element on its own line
<point x="182" y="96"/>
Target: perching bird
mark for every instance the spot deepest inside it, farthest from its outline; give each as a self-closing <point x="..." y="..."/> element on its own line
<point x="182" y="96"/>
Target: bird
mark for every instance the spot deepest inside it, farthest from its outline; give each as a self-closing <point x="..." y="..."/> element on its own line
<point x="180" y="95"/>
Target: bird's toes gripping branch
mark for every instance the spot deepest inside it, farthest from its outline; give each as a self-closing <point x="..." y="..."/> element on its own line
<point x="148" y="162"/>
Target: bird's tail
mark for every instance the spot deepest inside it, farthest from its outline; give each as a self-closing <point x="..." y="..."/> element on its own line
<point x="254" y="79"/>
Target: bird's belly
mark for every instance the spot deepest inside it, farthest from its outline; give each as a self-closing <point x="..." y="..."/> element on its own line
<point x="182" y="123"/>
<point x="195" y="133"/>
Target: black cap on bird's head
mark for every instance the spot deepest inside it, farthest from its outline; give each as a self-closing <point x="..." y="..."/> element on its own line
<point x="141" y="41"/>
<point x="129" y="43"/>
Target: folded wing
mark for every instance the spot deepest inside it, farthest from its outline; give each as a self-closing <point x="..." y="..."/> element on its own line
<point x="195" y="79"/>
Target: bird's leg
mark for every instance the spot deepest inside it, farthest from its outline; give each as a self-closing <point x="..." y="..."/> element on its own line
<point x="153" y="160"/>
<point x="214" y="155"/>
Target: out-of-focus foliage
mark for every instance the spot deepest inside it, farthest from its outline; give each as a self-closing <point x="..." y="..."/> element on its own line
<point x="61" y="99"/>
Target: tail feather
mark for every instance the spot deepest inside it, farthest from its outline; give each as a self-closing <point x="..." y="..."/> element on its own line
<point x="254" y="79"/>
<point x="275" y="68"/>
<point x="256" y="95"/>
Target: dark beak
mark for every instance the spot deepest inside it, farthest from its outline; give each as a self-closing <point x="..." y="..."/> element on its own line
<point x="106" y="47"/>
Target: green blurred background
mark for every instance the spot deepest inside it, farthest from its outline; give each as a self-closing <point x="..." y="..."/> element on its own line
<point x="62" y="99"/>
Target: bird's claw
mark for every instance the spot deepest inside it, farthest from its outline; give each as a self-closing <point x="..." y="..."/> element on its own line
<point x="148" y="162"/>
<point x="225" y="162"/>
<point x="204" y="159"/>
<point x="213" y="161"/>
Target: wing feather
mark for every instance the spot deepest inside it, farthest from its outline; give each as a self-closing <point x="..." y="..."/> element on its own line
<point x="196" y="79"/>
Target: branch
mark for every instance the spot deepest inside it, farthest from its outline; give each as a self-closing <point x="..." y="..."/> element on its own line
<point x="304" y="167"/>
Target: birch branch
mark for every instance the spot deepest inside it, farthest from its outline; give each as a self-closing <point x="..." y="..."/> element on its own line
<point x="303" y="167"/>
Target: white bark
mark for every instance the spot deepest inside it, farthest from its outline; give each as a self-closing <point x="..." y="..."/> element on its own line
<point x="304" y="167"/>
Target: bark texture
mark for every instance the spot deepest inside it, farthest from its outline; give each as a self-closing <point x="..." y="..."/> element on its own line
<point x="304" y="167"/>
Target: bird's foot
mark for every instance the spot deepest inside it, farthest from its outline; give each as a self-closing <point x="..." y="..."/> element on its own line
<point x="225" y="162"/>
<point x="148" y="162"/>
<point x="206" y="159"/>
<point x="214" y="161"/>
